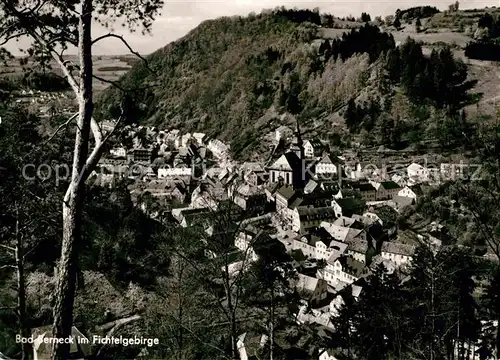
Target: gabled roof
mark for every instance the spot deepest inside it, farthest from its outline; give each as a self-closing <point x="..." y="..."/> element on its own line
<point x="357" y="245"/>
<point x="402" y="200"/>
<point x="363" y="187"/>
<point x="286" y="191"/>
<point x="326" y="160"/>
<point x="316" y="143"/>
<point x="351" y="266"/>
<point x="337" y="250"/>
<point x="397" y="248"/>
<point x="291" y="159"/>
<point x="311" y="239"/>
<point x="311" y="213"/>
<point x="390" y="185"/>
<point x="350" y="203"/>
<point x="307" y="283"/>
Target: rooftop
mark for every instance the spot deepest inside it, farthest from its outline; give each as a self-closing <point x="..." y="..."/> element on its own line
<point x="390" y="185"/>
<point x="397" y="248"/>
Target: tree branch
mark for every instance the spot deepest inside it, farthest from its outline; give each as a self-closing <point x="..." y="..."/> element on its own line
<point x="7" y="267"/>
<point x="61" y="126"/>
<point x="111" y="35"/>
<point x="8" y="247"/>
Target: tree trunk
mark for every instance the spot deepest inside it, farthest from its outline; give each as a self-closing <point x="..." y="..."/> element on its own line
<point x="73" y="200"/>
<point x="21" y="290"/>
<point x="271" y="330"/>
<point x="497" y="339"/>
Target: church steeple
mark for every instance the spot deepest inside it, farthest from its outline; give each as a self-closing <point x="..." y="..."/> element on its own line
<point x="298" y="145"/>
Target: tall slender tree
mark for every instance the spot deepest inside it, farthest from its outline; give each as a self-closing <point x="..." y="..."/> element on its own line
<point x="54" y="26"/>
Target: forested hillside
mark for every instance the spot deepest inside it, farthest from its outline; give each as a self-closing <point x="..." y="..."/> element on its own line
<point x="234" y="77"/>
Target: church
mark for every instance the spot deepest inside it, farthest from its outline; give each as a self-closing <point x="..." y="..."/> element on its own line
<point x="290" y="167"/>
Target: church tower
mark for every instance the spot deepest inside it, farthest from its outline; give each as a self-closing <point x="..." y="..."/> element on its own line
<point x="299" y="167"/>
<point x="297" y="144"/>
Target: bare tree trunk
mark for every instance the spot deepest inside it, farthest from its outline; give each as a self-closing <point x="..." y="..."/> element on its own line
<point x="21" y="291"/>
<point x="497" y="339"/>
<point x="271" y="330"/>
<point x="181" y="313"/>
<point x="73" y="200"/>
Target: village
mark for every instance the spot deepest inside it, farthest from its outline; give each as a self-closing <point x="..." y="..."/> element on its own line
<point x="337" y="218"/>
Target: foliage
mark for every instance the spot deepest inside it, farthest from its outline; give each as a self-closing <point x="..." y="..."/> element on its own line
<point x="417" y="12"/>
<point x="44" y="81"/>
<point x="418" y="317"/>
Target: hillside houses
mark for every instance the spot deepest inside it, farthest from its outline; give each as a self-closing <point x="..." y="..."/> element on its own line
<point x="335" y="229"/>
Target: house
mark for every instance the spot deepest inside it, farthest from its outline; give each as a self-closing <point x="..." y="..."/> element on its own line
<point x="367" y="190"/>
<point x="248" y="345"/>
<point x="353" y="290"/>
<point x="385" y="190"/>
<point x="336" y="250"/>
<point x="339" y="232"/>
<point x="398" y="203"/>
<point x="398" y="253"/>
<point x="253" y="173"/>
<point x="208" y="194"/>
<point x="174" y="172"/>
<point x="417" y="174"/>
<point x="119" y="152"/>
<point x="198" y="137"/>
<point x="218" y="149"/>
<point x="141" y="154"/>
<point x="414" y="192"/>
<point x="250" y="198"/>
<point x="42" y="344"/>
<point x="248" y="240"/>
<point x="312" y="289"/>
<point x="313" y="148"/>
<point x="326" y="167"/>
<point x="358" y="247"/>
<point x="304" y="218"/>
<point x="379" y="260"/>
<point x="344" y="271"/>
<point x="190" y="217"/>
<point x="348" y="207"/>
<point x="306" y="244"/>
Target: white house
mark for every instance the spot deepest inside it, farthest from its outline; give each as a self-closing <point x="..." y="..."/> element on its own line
<point x="313" y="148"/>
<point x="218" y="148"/>
<point x="171" y="172"/>
<point x="198" y="137"/>
<point x="306" y="244"/>
<point x="344" y="271"/>
<point x="304" y="218"/>
<point x="385" y="190"/>
<point x="326" y="167"/>
<point x="398" y="253"/>
<point x="119" y="152"/>
<point x="417" y="174"/>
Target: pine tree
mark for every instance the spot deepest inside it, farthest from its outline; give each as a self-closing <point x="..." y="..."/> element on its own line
<point x="418" y="25"/>
<point x="397" y="23"/>
<point x="491" y="303"/>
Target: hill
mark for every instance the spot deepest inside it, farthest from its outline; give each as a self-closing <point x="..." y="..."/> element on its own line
<point x="239" y="78"/>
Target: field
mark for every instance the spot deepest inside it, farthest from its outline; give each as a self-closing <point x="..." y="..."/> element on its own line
<point x="109" y="68"/>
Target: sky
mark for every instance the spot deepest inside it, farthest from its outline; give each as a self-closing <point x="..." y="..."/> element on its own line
<point x="181" y="16"/>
